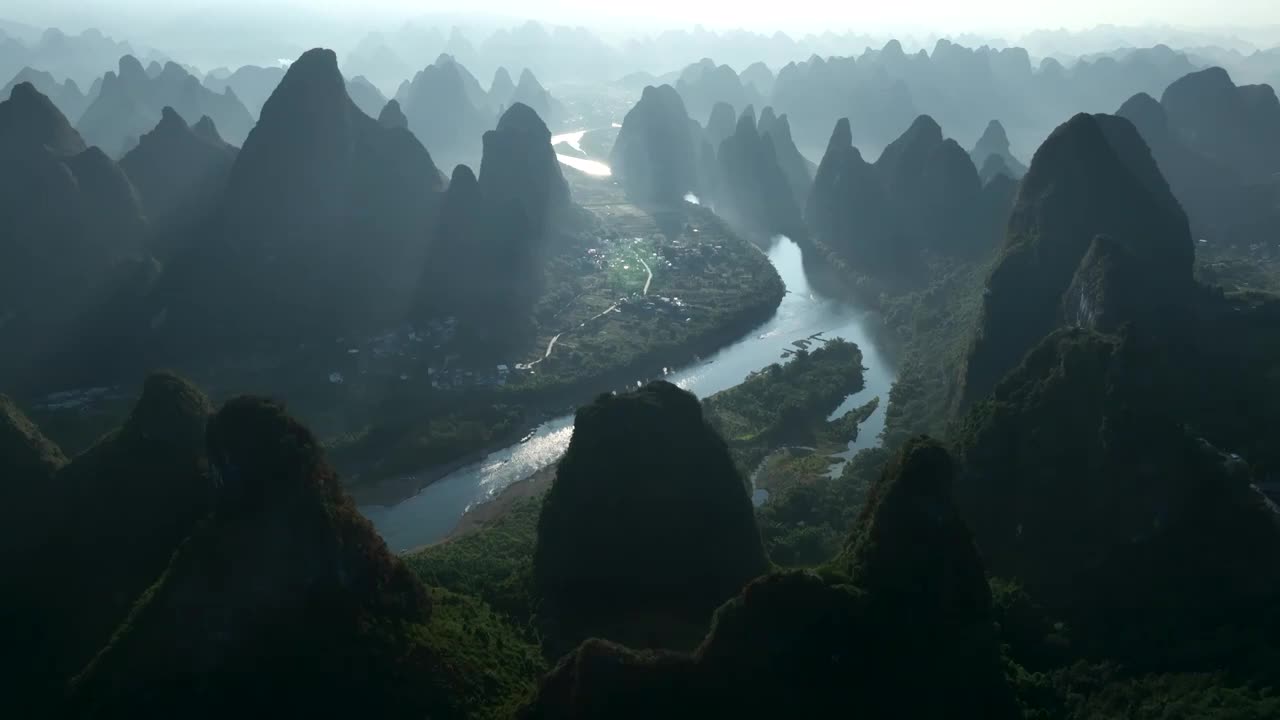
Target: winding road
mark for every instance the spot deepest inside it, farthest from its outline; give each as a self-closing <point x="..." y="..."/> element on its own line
<point x="649" y="279"/>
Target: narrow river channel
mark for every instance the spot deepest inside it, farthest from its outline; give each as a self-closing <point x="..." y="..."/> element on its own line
<point x="432" y="513"/>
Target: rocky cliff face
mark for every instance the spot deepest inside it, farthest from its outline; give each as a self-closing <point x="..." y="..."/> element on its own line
<point x="754" y="192"/>
<point x="848" y="208"/>
<point x="325" y="221"/>
<point x="654" y="155"/>
<point x="448" y="111"/>
<point x="797" y="169"/>
<point x="648" y="526"/>
<point x="494" y="233"/>
<point x="520" y="173"/>
<point x="1085" y="427"/>
<point x="922" y="198"/>
<point x="1093" y="176"/>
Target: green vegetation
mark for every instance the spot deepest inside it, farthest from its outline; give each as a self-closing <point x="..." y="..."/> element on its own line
<point x="494" y="563"/>
<point x="805" y="523"/>
<point x="844" y="429"/>
<point x="594" y="328"/>
<point x="708" y="286"/>
<point x="148" y="476"/>
<point x="308" y="605"/>
<point x="1238" y="271"/>
<point x="932" y="329"/>
<point x="788" y="404"/>
<point x="502" y="666"/>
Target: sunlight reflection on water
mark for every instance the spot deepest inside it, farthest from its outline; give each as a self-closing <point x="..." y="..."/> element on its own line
<point x="590" y="167"/>
<point x="433" y="512"/>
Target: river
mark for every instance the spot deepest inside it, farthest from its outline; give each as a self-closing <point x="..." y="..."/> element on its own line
<point x="432" y="513"/>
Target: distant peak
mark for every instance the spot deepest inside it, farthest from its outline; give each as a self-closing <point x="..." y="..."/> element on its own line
<point x="842" y="136"/>
<point x="463" y="176"/>
<point x="131" y="67"/>
<point x="30" y="118"/>
<point x="315" y="69"/>
<point x="25" y="92"/>
<point x="315" y="60"/>
<point x="1147" y="114"/>
<point x="767" y="117"/>
<point x="207" y="130"/>
<point x="661" y="94"/>
<point x="170" y="116"/>
<point x="995" y="134"/>
<point x="501" y="81"/>
<point x="392" y="116"/>
<point x="925" y="126"/>
<point x="1198" y="87"/>
<point x="173" y="68"/>
<point x="170" y="410"/>
<point x="747" y="121"/>
<point x="522" y="118"/>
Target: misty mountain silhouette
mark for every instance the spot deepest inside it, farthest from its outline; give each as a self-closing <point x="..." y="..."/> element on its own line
<point x="180" y="174"/>
<point x="321" y="201"/>
<point x="130" y="103"/>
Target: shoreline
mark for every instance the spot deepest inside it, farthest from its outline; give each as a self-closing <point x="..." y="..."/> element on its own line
<point x="391" y="490"/>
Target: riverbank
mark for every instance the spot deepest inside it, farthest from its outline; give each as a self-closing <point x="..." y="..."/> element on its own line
<point x="791" y="402"/>
<point x="803" y="312"/>
<point x="654" y="291"/>
<point x="927" y="323"/>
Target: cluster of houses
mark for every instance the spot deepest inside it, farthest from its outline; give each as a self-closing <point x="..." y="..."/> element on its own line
<point x="403" y="352"/>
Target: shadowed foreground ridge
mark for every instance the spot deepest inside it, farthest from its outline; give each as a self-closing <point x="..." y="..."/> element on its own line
<point x="1177" y="544"/>
<point x="287" y="593"/>
<point x="109" y="520"/>
<point x="648" y="527"/>
<point x="797" y="644"/>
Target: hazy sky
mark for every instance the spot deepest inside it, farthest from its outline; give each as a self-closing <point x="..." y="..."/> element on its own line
<point x="792" y="15"/>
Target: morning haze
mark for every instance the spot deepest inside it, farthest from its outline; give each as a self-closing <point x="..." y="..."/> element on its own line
<point x="661" y="361"/>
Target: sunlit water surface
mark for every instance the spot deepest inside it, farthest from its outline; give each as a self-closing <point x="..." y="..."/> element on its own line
<point x="432" y="513"/>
